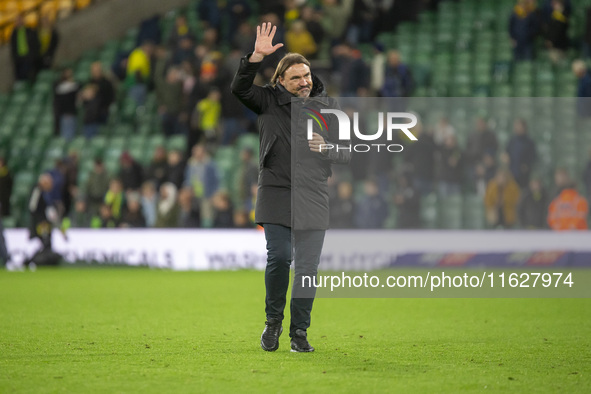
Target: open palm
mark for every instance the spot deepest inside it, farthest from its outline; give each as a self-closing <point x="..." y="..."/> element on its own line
<point x="264" y="43"/>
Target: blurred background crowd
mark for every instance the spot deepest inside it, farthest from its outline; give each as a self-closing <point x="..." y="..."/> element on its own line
<point x="146" y="133"/>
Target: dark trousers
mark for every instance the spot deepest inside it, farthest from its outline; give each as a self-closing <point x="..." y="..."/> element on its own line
<point x="306" y="246"/>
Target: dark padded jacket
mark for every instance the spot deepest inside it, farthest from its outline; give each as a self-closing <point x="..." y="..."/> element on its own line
<point x="308" y="209"/>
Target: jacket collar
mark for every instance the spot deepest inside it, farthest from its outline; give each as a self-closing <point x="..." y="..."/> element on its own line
<point x="318" y="93"/>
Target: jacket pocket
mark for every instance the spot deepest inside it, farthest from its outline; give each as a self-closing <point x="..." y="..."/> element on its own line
<point x="266" y="154"/>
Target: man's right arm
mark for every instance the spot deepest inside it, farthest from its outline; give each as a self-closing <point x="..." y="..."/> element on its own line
<point x="254" y="97"/>
<point x="243" y="85"/>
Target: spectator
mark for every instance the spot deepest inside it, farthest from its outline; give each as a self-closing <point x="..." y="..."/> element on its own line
<point x="248" y="175"/>
<point x="233" y="115"/>
<point x="150" y="31"/>
<point x="48" y="42"/>
<point x="361" y="22"/>
<point x="371" y="212"/>
<point x="342" y="207"/>
<point x="420" y="160"/>
<point x="106" y="218"/>
<point x="408" y="202"/>
<point x="115" y="199"/>
<point x="168" y="208"/>
<point x="312" y="20"/>
<point x="190" y="215"/>
<point x="208" y="72"/>
<point x="140" y="61"/>
<point x="241" y="220"/>
<point x="105" y="93"/>
<point x="210" y="39"/>
<point x="243" y="41"/>
<point x="209" y="110"/>
<point x="442" y="131"/>
<point x="175" y="173"/>
<point x="171" y="102"/>
<point x="335" y="17"/>
<point x="547" y="9"/>
<point x="352" y="70"/>
<point x="80" y="217"/>
<point x="185" y="51"/>
<point x="450" y="166"/>
<point x="180" y="31"/>
<point x="521" y="150"/>
<point x="209" y="13"/>
<point x="133" y="216"/>
<point x="162" y="60"/>
<point x="236" y="12"/>
<point x="501" y="200"/>
<point x="130" y="173"/>
<point x="158" y="168"/>
<point x="24" y="49"/>
<point x="569" y="210"/>
<point x="119" y="65"/>
<point x="292" y="11"/>
<point x="557" y="31"/>
<point x="5" y="188"/>
<point x="583" y="88"/>
<point x="149" y="201"/>
<point x="202" y="173"/>
<point x="378" y="68"/>
<point x="65" y="93"/>
<point x="480" y="141"/>
<point x="533" y="206"/>
<point x="223" y="216"/>
<point x="484" y="172"/>
<point x="97" y="186"/>
<point x="398" y="81"/>
<point x="91" y="105"/>
<point x="299" y="40"/>
<point x="386" y="15"/>
<point x="137" y="89"/>
<point x="188" y="79"/>
<point x="587" y="35"/>
<point x="524" y="26"/>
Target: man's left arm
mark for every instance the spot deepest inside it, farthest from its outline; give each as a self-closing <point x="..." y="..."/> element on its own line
<point x="336" y="153"/>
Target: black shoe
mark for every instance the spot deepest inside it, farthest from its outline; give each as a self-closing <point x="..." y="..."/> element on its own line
<point x="299" y="342"/>
<point x="271" y="334"/>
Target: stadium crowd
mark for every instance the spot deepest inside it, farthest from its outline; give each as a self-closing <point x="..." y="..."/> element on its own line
<point x="191" y="79"/>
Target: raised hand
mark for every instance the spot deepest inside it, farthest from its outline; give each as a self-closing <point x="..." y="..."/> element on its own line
<point x="264" y="43"/>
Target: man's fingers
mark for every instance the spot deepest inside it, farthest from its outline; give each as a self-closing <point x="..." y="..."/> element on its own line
<point x="273" y="30"/>
<point x="277" y="46"/>
<point x="258" y="31"/>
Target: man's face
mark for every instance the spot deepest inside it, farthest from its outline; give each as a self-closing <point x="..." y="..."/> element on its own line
<point x="297" y="80"/>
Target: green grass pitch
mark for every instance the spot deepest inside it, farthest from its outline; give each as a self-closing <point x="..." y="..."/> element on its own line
<point x="151" y="331"/>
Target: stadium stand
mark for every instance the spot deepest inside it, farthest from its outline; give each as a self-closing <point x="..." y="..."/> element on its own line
<point x="461" y="49"/>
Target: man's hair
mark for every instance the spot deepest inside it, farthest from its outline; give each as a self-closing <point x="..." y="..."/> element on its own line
<point x="288" y="60"/>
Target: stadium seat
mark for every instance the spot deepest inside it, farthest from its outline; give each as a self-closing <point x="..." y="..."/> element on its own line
<point x="177" y="142"/>
<point x="450" y="212"/>
<point x="474" y="214"/>
<point x="429" y="211"/>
